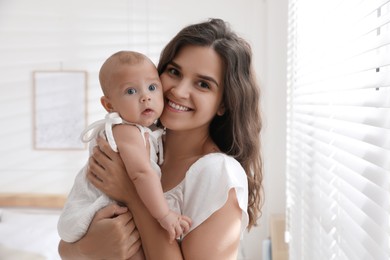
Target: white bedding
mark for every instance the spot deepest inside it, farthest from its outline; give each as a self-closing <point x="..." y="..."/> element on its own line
<point x="28" y="234"/>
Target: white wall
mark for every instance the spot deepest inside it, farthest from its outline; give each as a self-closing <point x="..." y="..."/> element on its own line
<point x="274" y="104"/>
<point x="72" y="34"/>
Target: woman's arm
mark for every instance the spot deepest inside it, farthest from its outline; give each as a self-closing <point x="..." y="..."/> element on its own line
<point x="111" y="235"/>
<point x="218" y="237"/>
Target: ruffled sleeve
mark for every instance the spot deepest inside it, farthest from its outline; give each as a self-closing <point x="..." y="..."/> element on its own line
<point x="207" y="184"/>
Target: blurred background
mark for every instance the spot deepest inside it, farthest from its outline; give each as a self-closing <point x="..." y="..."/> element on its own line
<point x="56" y="35"/>
<point x="324" y="71"/>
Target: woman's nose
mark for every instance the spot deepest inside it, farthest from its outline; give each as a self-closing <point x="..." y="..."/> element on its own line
<point x="180" y="89"/>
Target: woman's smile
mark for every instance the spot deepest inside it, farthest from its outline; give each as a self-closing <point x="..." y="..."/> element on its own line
<point x="178" y="107"/>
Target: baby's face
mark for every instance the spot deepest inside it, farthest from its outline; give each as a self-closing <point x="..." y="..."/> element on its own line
<point x="136" y="93"/>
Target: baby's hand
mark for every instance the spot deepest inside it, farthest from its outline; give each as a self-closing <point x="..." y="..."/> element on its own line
<point x="175" y="224"/>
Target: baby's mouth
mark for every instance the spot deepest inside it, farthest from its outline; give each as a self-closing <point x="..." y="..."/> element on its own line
<point x="148" y="111"/>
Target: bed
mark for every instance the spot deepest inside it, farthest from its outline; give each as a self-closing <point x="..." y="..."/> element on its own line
<point x="28" y="226"/>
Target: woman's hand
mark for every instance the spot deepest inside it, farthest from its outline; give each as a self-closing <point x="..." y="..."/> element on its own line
<point x="107" y="172"/>
<point x="111" y="235"/>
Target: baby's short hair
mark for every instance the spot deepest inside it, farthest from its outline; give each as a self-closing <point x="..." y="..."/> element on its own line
<point x="114" y="61"/>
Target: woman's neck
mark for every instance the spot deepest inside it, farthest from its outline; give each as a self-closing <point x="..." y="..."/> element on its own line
<point x="181" y="150"/>
<point x="186" y="144"/>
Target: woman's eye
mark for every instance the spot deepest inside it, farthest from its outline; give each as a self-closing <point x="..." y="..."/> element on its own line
<point x="131" y="91"/>
<point x="152" y="87"/>
<point x="173" y="71"/>
<point x="203" y="84"/>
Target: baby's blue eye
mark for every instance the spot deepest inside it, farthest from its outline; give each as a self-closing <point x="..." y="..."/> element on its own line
<point x="131" y="91"/>
<point x="152" y="87"/>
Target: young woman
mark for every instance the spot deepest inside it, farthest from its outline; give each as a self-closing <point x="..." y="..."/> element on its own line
<point x="212" y="170"/>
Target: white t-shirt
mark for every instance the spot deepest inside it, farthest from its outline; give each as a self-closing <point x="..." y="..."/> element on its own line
<point x="205" y="188"/>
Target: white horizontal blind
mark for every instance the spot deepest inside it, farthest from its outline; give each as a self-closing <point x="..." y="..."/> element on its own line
<point x="338" y="136"/>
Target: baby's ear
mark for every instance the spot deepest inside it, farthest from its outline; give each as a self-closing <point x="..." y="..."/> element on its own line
<point x="106" y="103"/>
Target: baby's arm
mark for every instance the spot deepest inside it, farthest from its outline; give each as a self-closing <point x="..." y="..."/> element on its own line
<point x="135" y="156"/>
<point x="175" y="224"/>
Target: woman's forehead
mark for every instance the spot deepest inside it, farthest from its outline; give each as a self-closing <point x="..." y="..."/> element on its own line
<point x="201" y="60"/>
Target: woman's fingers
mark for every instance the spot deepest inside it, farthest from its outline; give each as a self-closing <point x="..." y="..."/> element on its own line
<point x="100" y="157"/>
<point x="134" y="247"/>
<point x="132" y="230"/>
<point x="110" y="211"/>
<point x="94" y="172"/>
<point x="106" y="149"/>
<point x="121" y="230"/>
<point x="95" y="181"/>
<point x="133" y="238"/>
<point x="106" y="156"/>
<point x="100" y="161"/>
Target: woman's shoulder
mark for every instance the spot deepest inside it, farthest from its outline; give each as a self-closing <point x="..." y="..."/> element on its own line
<point x="212" y="169"/>
<point x="215" y="167"/>
<point x="215" y="161"/>
<point x="207" y="185"/>
<point x="213" y="158"/>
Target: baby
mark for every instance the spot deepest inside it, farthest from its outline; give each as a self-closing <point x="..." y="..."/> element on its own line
<point x="133" y="98"/>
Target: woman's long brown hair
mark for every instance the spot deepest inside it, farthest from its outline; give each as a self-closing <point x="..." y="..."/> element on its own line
<point x="237" y="131"/>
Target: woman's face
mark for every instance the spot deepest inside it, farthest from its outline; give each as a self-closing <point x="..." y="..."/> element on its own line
<point x="192" y="85"/>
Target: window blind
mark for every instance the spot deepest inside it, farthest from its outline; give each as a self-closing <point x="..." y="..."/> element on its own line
<point x="338" y="130"/>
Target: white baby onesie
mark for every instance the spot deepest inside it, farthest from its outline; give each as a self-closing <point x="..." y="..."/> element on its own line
<point x="84" y="199"/>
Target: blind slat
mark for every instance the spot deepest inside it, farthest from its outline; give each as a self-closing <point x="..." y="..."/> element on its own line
<point x="365" y="97"/>
<point x="376" y="136"/>
<point x="369" y="153"/>
<point x="376" y="117"/>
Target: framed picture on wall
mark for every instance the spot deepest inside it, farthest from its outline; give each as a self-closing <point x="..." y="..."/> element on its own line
<point x="59" y="109"/>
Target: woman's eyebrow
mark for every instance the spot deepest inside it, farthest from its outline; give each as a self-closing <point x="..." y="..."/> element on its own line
<point x="208" y="79"/>
<point x="172" y="63"/>
<point x="204" y="77"/>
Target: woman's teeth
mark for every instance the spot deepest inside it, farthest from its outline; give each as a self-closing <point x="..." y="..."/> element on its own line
<point x="177" y="107"/>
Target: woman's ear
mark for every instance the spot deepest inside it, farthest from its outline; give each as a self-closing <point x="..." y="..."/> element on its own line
<point x="106" y="103"/>
<point x="221" y="110"/>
